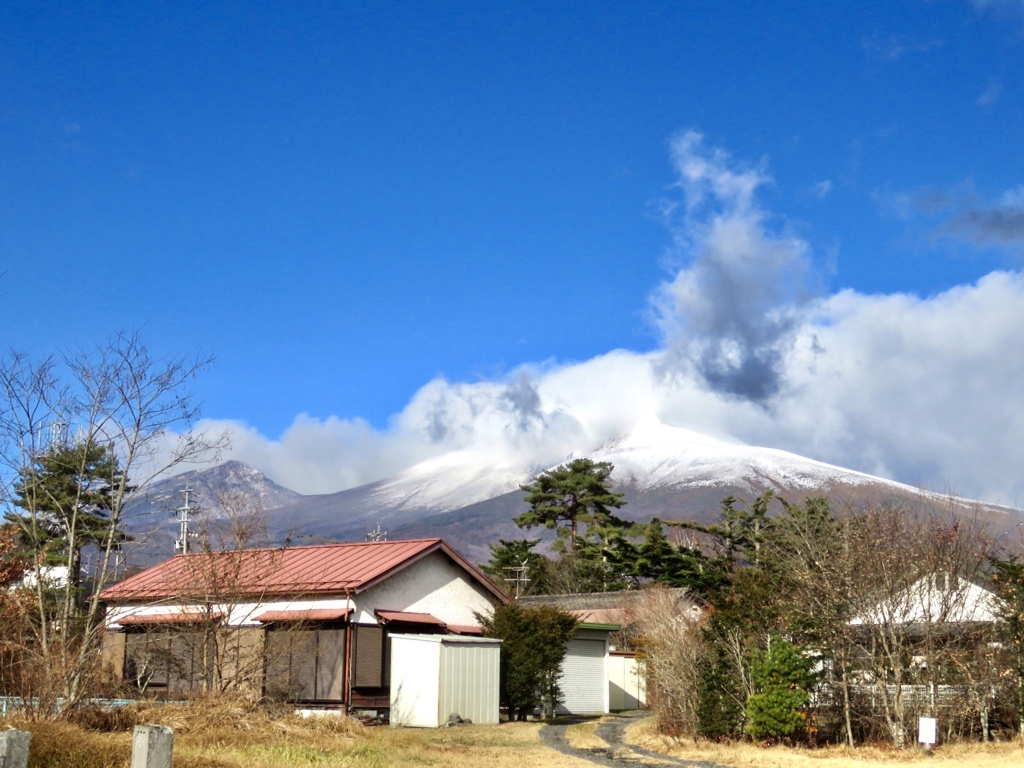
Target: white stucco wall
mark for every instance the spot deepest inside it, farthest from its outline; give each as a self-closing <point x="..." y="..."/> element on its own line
<point x="433" y="585"/>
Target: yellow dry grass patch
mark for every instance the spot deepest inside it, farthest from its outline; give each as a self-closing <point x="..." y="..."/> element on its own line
<point x="583" y="736"/>
<point x="236" y="735"/>
<point x="996" y="755"/>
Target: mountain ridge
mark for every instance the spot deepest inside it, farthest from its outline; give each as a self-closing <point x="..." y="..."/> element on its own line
<point x="470" y="498"/>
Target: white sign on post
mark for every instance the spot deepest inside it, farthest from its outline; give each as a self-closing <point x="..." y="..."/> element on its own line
<point x="926" y="730"/>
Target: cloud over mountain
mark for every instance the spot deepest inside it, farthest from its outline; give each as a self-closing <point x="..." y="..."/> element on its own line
<point x="924" y="390"/>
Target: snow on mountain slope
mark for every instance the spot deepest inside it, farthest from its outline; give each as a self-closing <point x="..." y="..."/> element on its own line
<point x="656" y="455"/>
<point x="448" y="482"/>
<point x="653" y="455"/>
<point x="470" y="497"/>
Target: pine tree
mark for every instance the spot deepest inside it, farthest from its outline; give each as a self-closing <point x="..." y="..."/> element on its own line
<point x="673" y="565"/>
<point x="507" y="557"/>
<point x="783" y="678"/>
<point x="67" y="497"/>
<point x="569" y="496"/>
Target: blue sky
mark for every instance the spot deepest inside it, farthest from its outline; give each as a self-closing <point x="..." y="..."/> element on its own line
<point x="357" y="206"/>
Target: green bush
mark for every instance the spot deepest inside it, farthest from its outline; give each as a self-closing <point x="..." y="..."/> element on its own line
<point x="532" y="649"/>
<point x="782" y="677"/>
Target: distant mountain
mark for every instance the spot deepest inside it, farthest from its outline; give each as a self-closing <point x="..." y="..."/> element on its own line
<point x="153" y="520"/>
<point x="664" y="471"/>
<point x="469" y="499"/>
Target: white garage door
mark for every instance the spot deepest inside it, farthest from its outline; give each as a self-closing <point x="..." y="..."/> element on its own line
<point x="584" y="680"/>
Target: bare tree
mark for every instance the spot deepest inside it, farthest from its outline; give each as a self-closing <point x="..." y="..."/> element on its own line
<point x="667" y="632"/>
<point x="116" y="395"/>
<point x="231" y="659"/>
<point x="916" y="615"/>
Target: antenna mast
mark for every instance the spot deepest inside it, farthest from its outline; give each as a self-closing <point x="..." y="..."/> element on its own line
<point x="183" y="519"/>
<point x="518" y="575"/>
<point x="59" y="433"/>
<point x="377" y="534"/>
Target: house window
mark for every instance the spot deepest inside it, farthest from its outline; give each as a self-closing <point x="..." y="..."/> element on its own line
<point x="174" y="662"/>
<point x="306" y="664"/>
<point x="940" y="581"/>
<point x="372" y="650"/>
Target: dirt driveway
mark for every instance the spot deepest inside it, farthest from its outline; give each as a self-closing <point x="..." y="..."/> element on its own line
<point x="616" y="753"/>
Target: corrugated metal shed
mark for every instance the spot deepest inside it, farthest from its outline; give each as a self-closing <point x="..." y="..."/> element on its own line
<point x="436" y="676"/>
<point x="323" y="569"/>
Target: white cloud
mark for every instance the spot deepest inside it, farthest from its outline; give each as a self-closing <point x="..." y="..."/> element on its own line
<point x="822" y="189"/>
<point x="895" y="47"/>
<point x="991" y="94"/>
<point x="731" y="311"/>
<point x="919" y="389"/>
<point x="999" y="6"/>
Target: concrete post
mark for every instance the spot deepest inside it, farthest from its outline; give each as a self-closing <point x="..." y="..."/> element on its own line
<point x="151" y="746"/>
<point x="14" y="748"/>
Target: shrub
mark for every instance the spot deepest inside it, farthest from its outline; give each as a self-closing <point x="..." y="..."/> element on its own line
<point x="782" y="677"/>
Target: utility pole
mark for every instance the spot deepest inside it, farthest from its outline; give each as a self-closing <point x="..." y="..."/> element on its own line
<point x="183" y="519"/>
<point x="377" y="534"/>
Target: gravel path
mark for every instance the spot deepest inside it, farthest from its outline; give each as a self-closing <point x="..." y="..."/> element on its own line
<point x="617" y="754"/>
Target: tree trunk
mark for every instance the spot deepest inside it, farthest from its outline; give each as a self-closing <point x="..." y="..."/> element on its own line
<point x="847" y="718"/>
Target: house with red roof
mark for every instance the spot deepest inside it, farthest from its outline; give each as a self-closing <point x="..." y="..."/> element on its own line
<point x="307" y="624"/>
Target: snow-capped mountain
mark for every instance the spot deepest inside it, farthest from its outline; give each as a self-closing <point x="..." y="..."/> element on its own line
<point x="470" y="498"/>
<point x="656" y="455"/>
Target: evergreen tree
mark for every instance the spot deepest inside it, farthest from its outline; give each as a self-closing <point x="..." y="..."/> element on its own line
<point x="532" y="649"/>
<point x="658" y="559"/>
<point x="569" y="496"/>
<point x="1008" y="580"/>
<point x="507" y="556"/>
<point x="740" y="531"/>
<point x="782" y="679"/>
<point x="66" y="497"/>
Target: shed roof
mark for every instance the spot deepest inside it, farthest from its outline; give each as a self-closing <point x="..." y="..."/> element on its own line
<point x="321" y="569"/>
<point x="407" y="617"/>
<point x="310" y="614"/>
<point x="177" y="617"/>
<point x="606" y="609"/>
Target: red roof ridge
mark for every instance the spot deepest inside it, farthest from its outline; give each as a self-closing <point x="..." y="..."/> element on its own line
<point x="301" y="568"/>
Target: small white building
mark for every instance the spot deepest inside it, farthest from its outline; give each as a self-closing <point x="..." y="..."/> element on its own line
<point x="435" y="678"/>
<point x="627" y="682"/>
<point x="583" y="677"/>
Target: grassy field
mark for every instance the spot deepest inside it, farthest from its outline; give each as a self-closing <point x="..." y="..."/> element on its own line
<point x="999" y="755"/>
<point x="237" y="736"/>
<point x="221" y="736"/>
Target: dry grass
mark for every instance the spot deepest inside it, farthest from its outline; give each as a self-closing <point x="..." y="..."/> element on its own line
<point x="583" y="736"/>
<point x="234" y="734"/>
<point x="996" y="755"/>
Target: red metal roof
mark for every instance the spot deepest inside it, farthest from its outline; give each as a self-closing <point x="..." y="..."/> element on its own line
<point x="407" y="617"/>
<point x="465" y="629"/>
<point x="313" y="614"/>
<point x="293" y="571"/>
<point x="179" y="617"/>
